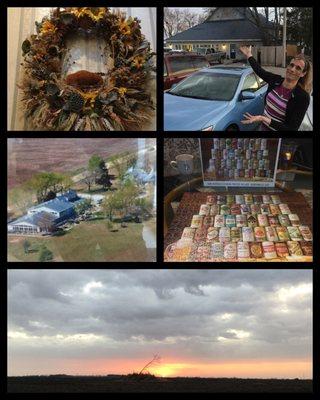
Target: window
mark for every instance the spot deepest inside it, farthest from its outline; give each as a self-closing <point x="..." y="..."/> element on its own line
<point x="178" y="64"/>
<point x="199" y="62"/>
<point x="250" y="83"/>
<point x="261" y="81"/>
<point x="207" y="86"/>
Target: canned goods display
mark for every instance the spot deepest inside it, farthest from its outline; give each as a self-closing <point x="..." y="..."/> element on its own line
<point x="256" y="250"/>
<point x="224" y="209"/>
<point x="212" y="234"/>
<point x="241" y="220"/>
<point x="243" y="250"/>
<point x="266" y="198"/>
<point x="230" y="251"/>
<point x="306" y="233"/>
<point x="284" y="209"/>
<point x="200" y="234"/>
<point x="269" y="250"/>
<point x="294" y="248"/>
<point x="282" y="233"/>
<point x="245" y="209"/>
<point x="207" y="221"/>
<point x="224" y="235"/>
<point x="211" y="199"/>
<point x="255" y="208"/>
<point x="275" y="199"/>
<point x="235" y="234"/>
<point x="306" y="248"/>
<point x="204" y="209"/>
<point x="217" y="250"/>
<point x="263" y="144"/>
<point x="284" y="220"/>
<point x="271" y="234"/>
<point x="260" y="233"/>
<point x="294" y="233"/>
<point x="263" y="220"/>
<point x="273" y="220"/>
<point x="294" y="219"/>
<point x="248" y="198"/>
<point x="219" y="221"/>
<point x="188" y="233"/>
<point x="235" y="209"/>
<point x="221" y="199"/>
<point x="247" y="234"/>
<point x="235" y="230"/>
<point x="281" y="249"/>
<point x="196" y="221"/>
<point x="252" y="220"/>
<point x="239" y="198"/>
<point x="230" y="199"/>
<point x="214" y="209"/>
<point x="274" y="209"/>
<point x="230" y="221"/>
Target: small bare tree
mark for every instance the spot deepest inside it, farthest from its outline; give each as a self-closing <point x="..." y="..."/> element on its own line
<point x="155" y="361"/>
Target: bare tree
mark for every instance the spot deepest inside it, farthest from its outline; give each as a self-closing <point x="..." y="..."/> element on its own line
<point x="155" y="360"/>
<point x="177" y="20"/>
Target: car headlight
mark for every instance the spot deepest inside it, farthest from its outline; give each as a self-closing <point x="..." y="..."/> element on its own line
<point x="208" y="128"/>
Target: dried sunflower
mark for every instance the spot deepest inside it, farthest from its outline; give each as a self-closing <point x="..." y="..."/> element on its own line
<point x="138" y="62"/>
<point x="48" y="27"/>
<point x="124" y="27"/>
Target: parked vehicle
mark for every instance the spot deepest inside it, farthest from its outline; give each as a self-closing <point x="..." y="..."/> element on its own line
<point x="307" y="123"/>
<point x="214" y="98"/>
<point x="212" y="55"/>
<point x="178" y="66"/>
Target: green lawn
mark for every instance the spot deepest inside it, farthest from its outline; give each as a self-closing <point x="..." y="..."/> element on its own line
<point x="88" y="241"/>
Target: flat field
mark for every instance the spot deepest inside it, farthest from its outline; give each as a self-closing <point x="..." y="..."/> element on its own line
<point x="88" y="241"/>
<point x="73" y="384"/>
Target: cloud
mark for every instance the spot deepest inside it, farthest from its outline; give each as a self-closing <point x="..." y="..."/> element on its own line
<point x="199" y="314"/>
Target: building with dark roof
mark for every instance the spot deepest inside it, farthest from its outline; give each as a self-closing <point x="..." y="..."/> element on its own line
<point x="225" y="29"/>
<point x="45" y="217"/>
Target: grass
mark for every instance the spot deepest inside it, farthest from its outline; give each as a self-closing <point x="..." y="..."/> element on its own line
<point x="88" y="241"/>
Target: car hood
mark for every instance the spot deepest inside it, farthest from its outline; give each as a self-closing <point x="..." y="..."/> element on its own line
<point x="184" y="113"/>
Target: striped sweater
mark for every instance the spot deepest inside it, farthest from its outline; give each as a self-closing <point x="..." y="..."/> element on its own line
<point x="276" y="106"/>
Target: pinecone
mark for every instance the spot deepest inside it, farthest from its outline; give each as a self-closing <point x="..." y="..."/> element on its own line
<point x="75" y="102"/>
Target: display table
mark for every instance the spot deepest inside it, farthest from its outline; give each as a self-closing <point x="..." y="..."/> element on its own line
<point x="198" y="242"/>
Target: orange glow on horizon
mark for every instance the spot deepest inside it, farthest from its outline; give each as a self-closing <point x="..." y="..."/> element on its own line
<point x="229" y="369"/>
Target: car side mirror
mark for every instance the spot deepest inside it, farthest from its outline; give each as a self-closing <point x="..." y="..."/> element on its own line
<point x="246" y="95"/>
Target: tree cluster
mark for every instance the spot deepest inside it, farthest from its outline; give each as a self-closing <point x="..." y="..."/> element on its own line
<point x="177" y="20"/>
<point x="97" y="173"/>
<point x="46" y="185"/>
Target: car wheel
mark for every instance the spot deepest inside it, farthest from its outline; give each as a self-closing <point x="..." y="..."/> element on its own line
<point x="232" y="128"/>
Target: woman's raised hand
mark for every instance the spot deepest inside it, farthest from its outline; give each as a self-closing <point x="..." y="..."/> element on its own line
<point x="246" y="50"/>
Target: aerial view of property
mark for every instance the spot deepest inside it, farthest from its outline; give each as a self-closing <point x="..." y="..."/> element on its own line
<point x="81" y="199"/>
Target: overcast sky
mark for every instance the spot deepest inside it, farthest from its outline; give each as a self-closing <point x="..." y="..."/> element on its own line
<point x="201" y="322"/>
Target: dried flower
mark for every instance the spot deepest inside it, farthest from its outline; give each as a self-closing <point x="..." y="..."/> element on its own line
<point x="95" y="13"/>
<point x="122" y="91"/>
<point x="124" y="27"/>
<point x="48" y="27"/>
<point x="138" y="62"/>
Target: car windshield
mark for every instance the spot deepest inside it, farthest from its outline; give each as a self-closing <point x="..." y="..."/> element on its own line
<point x="207" y="86"/>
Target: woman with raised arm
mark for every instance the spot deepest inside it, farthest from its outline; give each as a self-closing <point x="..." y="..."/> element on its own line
<point x="287" y="99"/>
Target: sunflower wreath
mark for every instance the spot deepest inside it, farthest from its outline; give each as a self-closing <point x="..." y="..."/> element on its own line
<point x="87" y="101"/>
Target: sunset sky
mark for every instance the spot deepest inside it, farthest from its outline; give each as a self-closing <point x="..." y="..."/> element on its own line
<point x="210" y="323"/>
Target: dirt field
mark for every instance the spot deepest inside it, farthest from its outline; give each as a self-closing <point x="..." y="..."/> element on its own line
<point x="123" y="384"/>
<point x="59" y="155"/>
